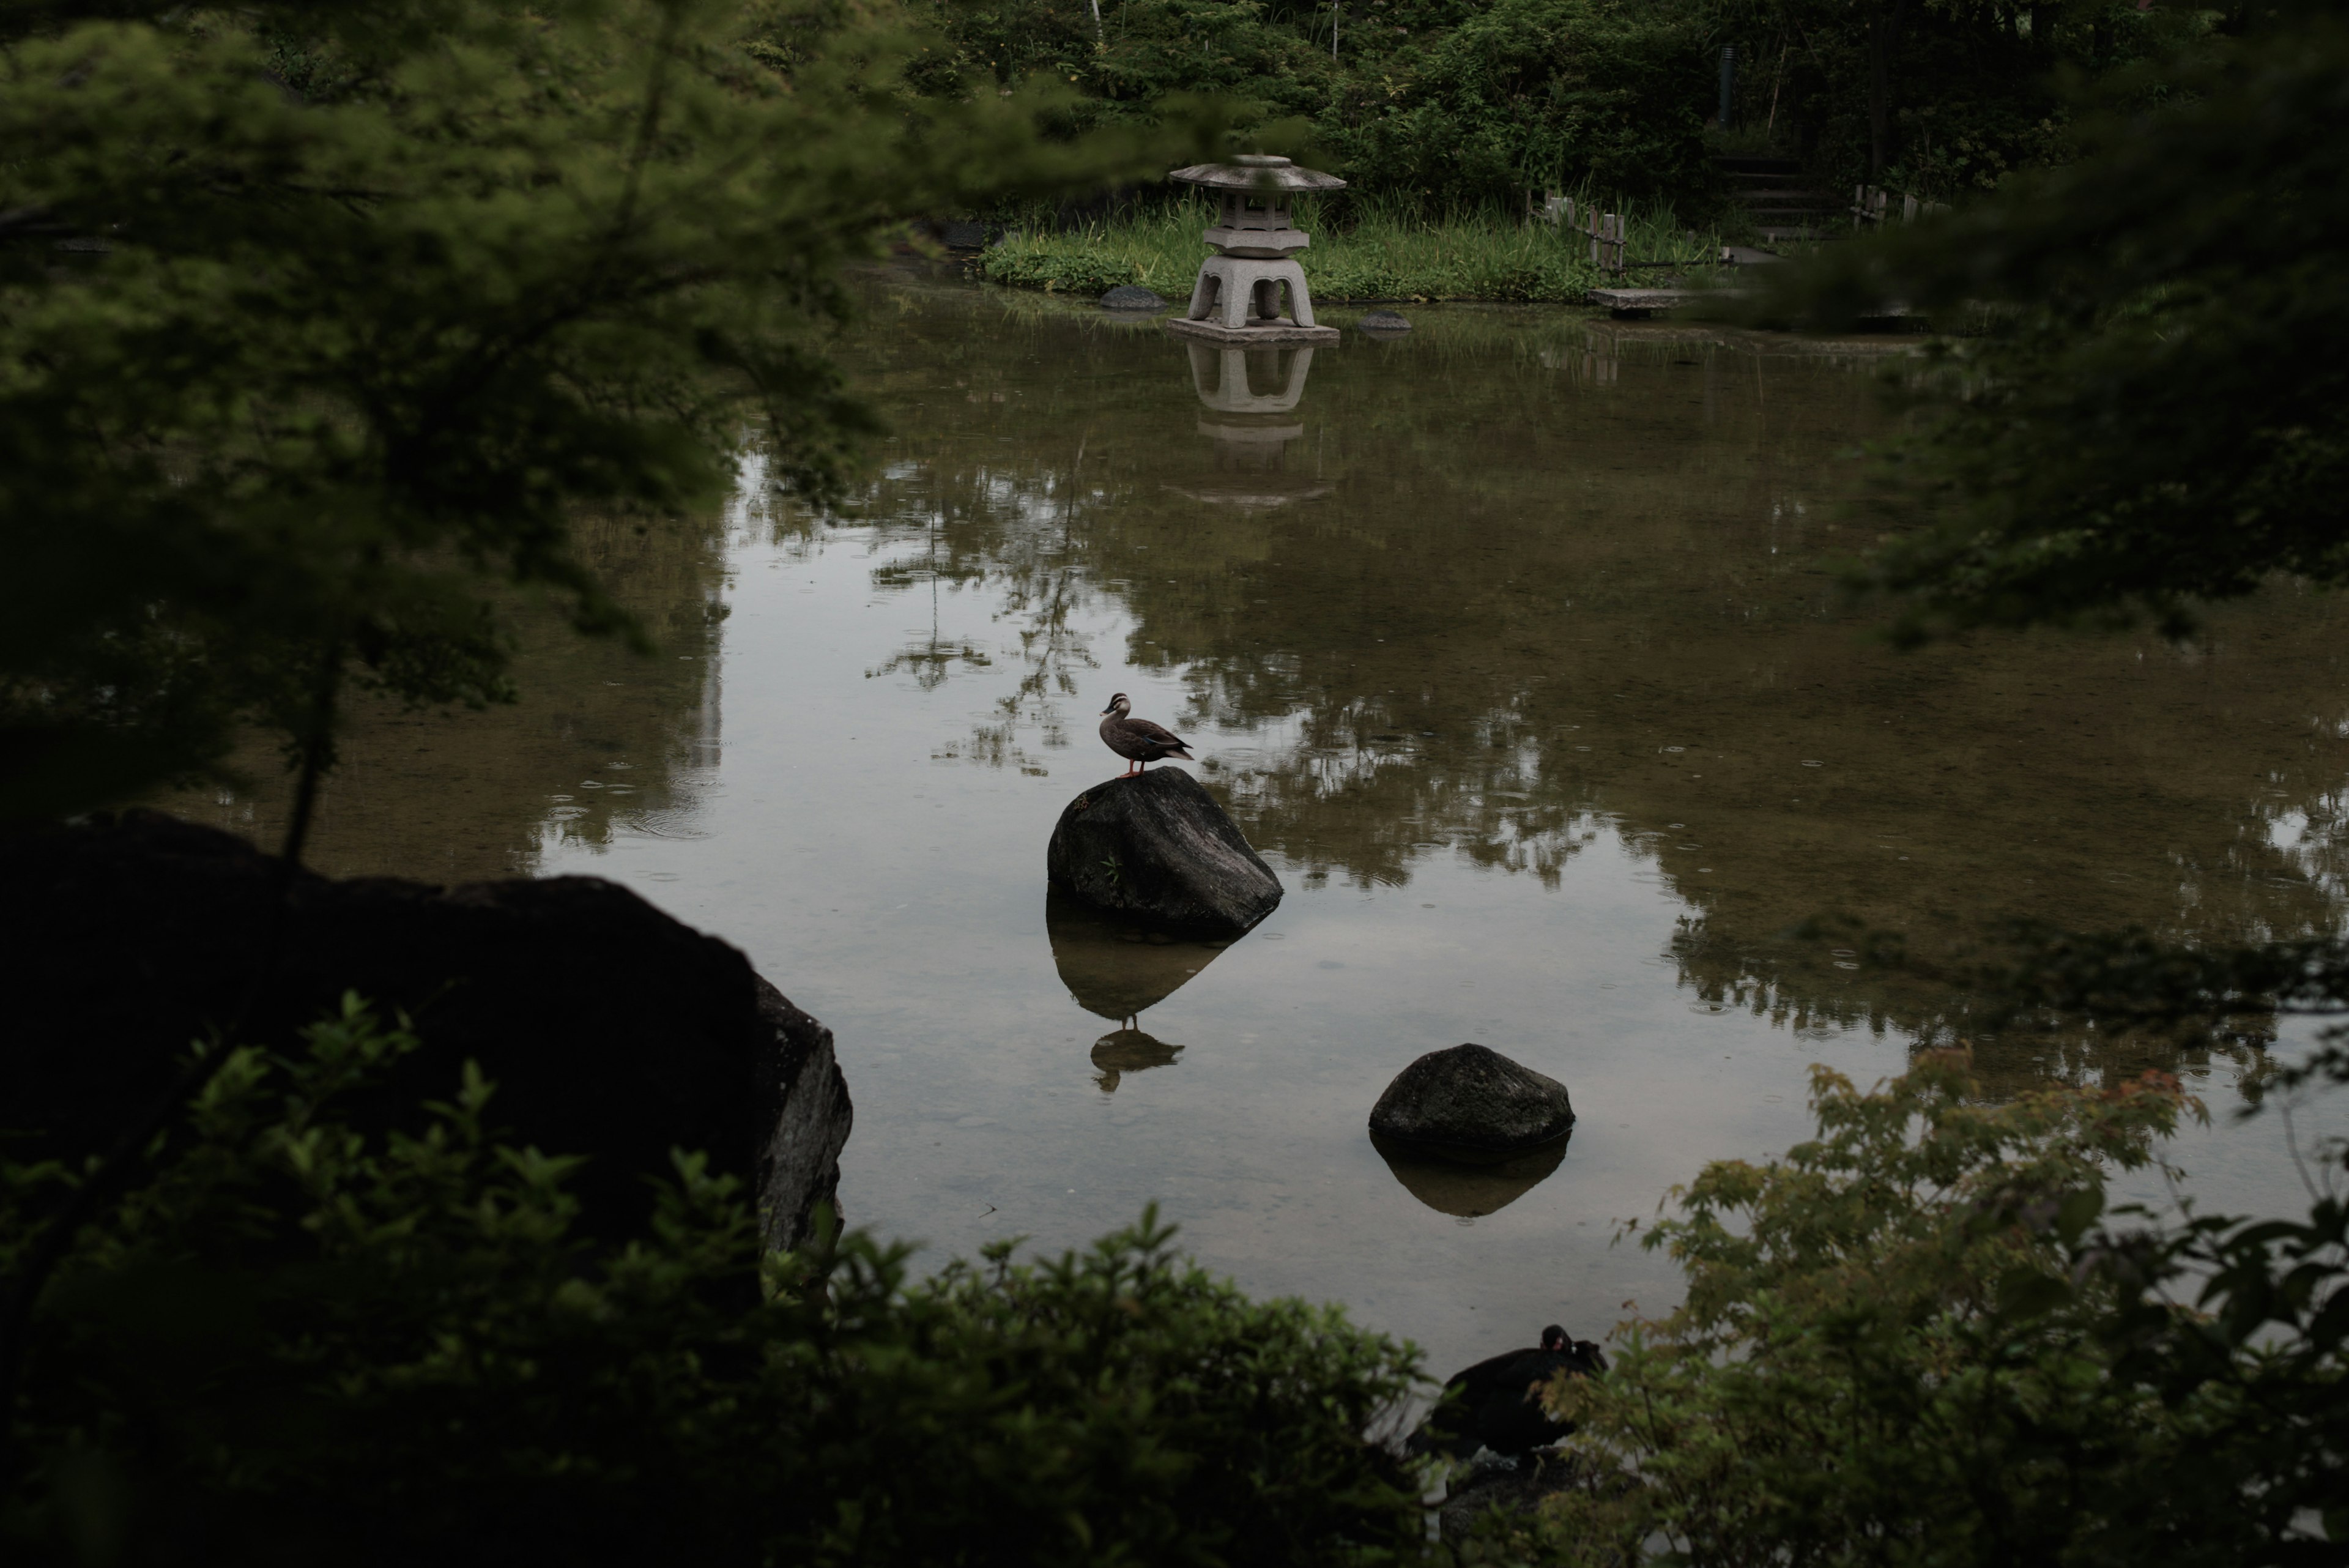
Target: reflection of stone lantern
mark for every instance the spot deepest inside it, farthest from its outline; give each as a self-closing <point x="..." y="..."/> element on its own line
<point x="1252" y="429"/>
<point x="1237" y="296"/>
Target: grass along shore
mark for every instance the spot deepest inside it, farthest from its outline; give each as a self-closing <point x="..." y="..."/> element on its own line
<point x="1373" y="253"/>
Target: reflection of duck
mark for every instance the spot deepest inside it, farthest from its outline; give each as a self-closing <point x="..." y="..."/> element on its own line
<point x="1138" y="741"/>
<point x="1496" y="1403"/>
<point x="1129" y="1050"/>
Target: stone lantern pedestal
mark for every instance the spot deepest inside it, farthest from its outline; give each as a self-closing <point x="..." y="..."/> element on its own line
<point x="1252" y="290"/>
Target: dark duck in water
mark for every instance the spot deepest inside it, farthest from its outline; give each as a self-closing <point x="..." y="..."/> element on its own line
<point x="1138" y="741"/>
<point x="1496" y="1403"/>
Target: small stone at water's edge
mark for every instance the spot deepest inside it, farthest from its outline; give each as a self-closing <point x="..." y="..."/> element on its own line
<point x="1384" y="321"/>
<point x="1131" y="297"/>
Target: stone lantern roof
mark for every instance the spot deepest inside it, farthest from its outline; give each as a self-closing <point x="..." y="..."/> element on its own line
<point x="1257" y="171"/>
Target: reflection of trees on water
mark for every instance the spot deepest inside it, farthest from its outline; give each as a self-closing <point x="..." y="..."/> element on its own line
<point x="1010" y="536"/>
<point x="1797" y="987"/>
<point x="1568" y="582"/>
<point x="602" y="742"/>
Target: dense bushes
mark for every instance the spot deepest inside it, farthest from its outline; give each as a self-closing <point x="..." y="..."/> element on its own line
<point x="1921" y="1339"/>
<point x="1940" y="99"/>
<point x="294" y="1343"/>
<point x="1536" y="93"/>
<point x="1448" y="103"/>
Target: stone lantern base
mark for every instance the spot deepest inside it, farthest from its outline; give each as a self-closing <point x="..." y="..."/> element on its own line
<point x="1238" y="300"/>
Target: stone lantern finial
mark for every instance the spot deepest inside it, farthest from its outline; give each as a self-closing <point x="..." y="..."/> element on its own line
<point x="1237" y="296"/>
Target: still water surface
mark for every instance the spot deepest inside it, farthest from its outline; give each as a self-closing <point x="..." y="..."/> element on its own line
<point x="1512" y="644"/>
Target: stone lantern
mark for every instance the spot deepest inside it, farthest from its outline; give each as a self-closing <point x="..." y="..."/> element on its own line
<point x="1237" y="296"/>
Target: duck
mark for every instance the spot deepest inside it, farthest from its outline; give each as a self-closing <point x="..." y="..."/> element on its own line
<point x="1138" y="741"/>
<point x="1496" y="1403"/>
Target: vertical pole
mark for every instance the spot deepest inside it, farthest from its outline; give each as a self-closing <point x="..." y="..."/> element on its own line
<point x="1728" y="79"/>
<point x="1333" y="30"/>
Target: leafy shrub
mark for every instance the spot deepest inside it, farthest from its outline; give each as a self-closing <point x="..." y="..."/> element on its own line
<point x="294" y="1343"/>
<point x="1912" y="1341"/>
<point x="1447" y="104"/>
<point x="1536" y="93"/>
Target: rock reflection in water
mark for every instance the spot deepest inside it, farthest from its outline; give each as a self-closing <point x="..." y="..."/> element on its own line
<point x="1249" y="427"/>
<point x="1118" y="971"/>
<point x="1469" y="1192"/>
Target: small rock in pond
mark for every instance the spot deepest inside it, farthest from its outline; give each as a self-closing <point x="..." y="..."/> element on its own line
<point x="1384" y="321"/>
<point x="1156" y="845"/>
<point x="1471" y="1103"/>
<point x="1131" y="297"/>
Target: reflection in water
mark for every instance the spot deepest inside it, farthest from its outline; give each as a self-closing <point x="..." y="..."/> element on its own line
<point x="1226" y="378"/>
<point x="1469" y="1192"/>
<point x="1129" y="1051"/>
<point x="1248" y="427"/>
<point x="603" y="741"/>
<point x="1118" y="971"/>
<point x="1114" y="970"/>
<point x="1567" y="582"/>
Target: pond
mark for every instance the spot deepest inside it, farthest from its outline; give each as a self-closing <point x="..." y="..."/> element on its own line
<point x="1514" y="646"/>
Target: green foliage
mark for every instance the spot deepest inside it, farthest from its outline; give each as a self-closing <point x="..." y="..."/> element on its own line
<point x="1443" y="103"/>
<point x="292" y="1341"/>
<point x="2155" y="416"/>
<point x="1913" y="1341"/>
<point x="1381" y="250"/>
<point x="1542" y="93"/>
<point x="311" y="334"/>
<point x="1940" y="99"/>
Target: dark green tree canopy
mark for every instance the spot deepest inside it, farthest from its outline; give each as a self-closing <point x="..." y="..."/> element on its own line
<point x="2156" y="410"/>
<point x="313" y="325"/>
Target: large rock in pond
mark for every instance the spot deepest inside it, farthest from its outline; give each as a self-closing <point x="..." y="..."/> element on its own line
<point x="1155" y="846"/>
<point x="1473" y="1105"/>
<point x="610" y="1030"/>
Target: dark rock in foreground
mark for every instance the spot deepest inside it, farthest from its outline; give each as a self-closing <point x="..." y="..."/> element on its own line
<point x="1471" y="1103"/>
<point x="610" y="1029"/>
<point x="1157" y="847"/>
<point x="1132" y="296"/>
<point x="1378" y="321"/>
